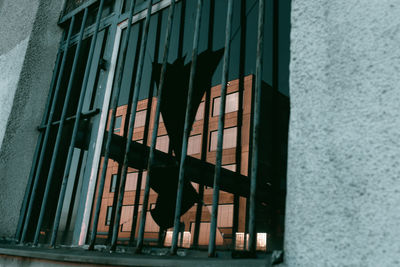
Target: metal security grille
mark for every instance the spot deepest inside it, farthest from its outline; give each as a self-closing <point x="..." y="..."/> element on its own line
<point x="165" y="126"/>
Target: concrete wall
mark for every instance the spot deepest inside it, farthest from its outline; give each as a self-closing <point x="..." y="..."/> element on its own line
<point x="12" y="261"/>
<point x="16" y="28"/>
<point x="343" y="202"/>
<point x="28" y="47"/>
<point x="344" y="157"/>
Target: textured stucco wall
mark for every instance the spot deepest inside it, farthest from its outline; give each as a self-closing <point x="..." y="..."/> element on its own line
<point x="10" y="68"/>
<point x="16" y="26"/>
<point x="343" y="200"/>
<point x="28" y="47"/>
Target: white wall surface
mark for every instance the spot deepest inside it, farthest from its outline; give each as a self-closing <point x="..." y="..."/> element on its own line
<point x="10" y="69"/>
<point x="343" y="198"/>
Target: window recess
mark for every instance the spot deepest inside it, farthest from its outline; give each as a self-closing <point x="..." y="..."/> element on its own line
<point x="134" y="149"/>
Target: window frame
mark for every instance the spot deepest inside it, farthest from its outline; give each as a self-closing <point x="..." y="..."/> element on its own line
<point x="215" y="110"/>
<point x="215" y="133"/>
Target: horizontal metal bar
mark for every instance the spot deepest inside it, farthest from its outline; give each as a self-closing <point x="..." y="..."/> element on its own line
<point x="89" y="31"/>
<point x="72" y="13"/>
<point x="139" y="9"/>
<point x="141" y="14"/>
<point x="198" y="171"/>
<point x="84" y="115"/>
<point x="121" y="20"/>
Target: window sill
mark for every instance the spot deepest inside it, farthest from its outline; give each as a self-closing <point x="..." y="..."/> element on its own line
<point x="30" y="255"/>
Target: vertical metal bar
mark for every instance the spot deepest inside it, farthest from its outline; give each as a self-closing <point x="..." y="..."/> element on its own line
<point x="136" y="205"/>
<point x="273" y="238"/>
<point x="238" y="156"/>
<point x="187" y="129"/>
<point x="204" y="141"/>
<point x="47" y="132"/>
<point x="39" y="143"/>
<point x="275" y="45"/>
<point x="60" y="130"/>
<point x="221" y="124"/>
<point x="135" y="98"/>
<point x="155" y="128"/>
<point x="110" y="130"/>
<point x="114" y="199"/>
<point x="77" y="183"/>
<point x="181" y="30"/>
<point x="256" y="126"/>
<point x="136" y="200"/>
<point x="91" y="173"/>
<point x="145" y="132"/>
<point x="76" y="126"/>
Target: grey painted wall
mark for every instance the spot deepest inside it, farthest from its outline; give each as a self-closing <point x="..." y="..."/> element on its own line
<point x="28" y="47"/>
<point x="15" y="30"/>
<point x="343" y="201"/>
